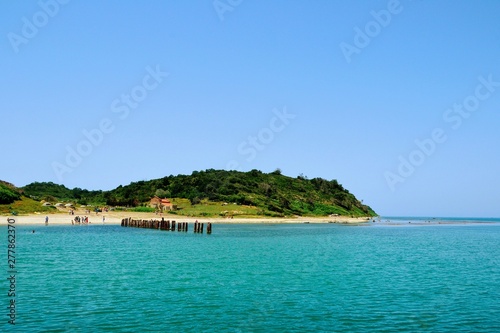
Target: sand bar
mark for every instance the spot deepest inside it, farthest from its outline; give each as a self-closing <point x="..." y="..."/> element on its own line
<point x="113" y="218"/>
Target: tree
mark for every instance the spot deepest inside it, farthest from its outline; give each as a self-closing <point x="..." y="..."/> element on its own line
<point x="302" y="177"/>
<point x="277" y="172"/>
<point x="161" y="193"/>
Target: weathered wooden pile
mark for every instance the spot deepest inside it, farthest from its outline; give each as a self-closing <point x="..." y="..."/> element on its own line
<point x="166" y="225"/>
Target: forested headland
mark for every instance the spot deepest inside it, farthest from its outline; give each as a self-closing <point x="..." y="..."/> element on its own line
<point x="206" y="193"/>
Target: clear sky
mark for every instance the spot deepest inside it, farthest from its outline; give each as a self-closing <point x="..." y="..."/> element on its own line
<point x="397" y="100"/>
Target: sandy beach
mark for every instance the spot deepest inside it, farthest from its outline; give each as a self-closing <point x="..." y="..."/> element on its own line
<point x="116" y="217"/>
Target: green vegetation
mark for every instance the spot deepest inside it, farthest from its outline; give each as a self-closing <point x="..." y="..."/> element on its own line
<point x="221" y="193"/>
<point x="142" y="209"/>
<point x="215" y="209"/>
<point x="8" y="193"/>
<point x="25" y="206"/>
<point x="53" y="192"/>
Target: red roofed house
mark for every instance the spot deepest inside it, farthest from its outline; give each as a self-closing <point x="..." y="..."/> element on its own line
<point x="162" y="204"/>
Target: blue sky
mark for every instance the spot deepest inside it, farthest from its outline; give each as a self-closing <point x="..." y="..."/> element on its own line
<point x="168" y="87"/>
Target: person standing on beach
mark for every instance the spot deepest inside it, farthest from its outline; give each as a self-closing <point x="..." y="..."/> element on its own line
<point x="46" y="220"/>
<point x="103" y="219"/>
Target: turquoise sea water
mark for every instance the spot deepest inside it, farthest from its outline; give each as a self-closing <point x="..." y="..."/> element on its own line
<point x="377" y="277"/>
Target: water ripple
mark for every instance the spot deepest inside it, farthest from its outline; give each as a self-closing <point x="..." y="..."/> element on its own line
<point x="258" y="278"/>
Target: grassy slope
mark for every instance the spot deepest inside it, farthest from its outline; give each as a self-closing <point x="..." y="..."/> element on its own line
<point x="25" y="206"/>
<point x="214" y="209"/>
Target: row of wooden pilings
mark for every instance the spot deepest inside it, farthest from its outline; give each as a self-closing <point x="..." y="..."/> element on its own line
<point x="165" y="225"/>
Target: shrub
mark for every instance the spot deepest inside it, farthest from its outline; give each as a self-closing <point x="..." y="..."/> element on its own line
<point x="7" y="195"/>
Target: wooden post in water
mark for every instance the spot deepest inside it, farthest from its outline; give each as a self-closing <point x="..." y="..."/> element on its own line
<point x="165" y="225"/>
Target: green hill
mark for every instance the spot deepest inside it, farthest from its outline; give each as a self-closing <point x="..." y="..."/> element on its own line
<point x="13" y="201"/>
<point x="255" y="192"/>
<point x="54" y="192"/>
<point x="8" y="193"/>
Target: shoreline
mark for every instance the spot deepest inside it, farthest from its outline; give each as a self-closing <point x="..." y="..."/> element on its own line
<point x="115" y="218"/>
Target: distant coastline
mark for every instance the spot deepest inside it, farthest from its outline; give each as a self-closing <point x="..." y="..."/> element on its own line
<point x="425" y="220"/>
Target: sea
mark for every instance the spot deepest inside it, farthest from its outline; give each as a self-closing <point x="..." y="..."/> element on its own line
<point x="393" y="274"/>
